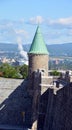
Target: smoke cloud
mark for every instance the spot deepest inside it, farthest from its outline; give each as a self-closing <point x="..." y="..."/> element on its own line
<point x="20" y="48"/>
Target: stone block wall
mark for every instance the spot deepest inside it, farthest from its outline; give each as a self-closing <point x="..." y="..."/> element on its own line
<point x="38" y="62"/>
<point x="46" y="80"/>
<point x="14" y="101"/>
<point x="59" y="110"/>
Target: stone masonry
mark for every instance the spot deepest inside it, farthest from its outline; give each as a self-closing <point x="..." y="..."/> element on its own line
<point x="15" y="103"/>
<point x="38" y="62"/>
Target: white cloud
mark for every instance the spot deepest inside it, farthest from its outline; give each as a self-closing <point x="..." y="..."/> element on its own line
<point x="61" y="22"/>
<point x="69" y="33"/>
<point x="56" y="30"/>
<point x="10" y="30"/>
<point x="60" y="29"/>
<point x="53" y="35"/>
<point x="22" y="20"/>
<point x="22" y="32"/>
<point x="36" y="20"/>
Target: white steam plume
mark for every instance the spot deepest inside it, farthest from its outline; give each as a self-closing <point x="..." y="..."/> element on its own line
<point x="20" y="47"/>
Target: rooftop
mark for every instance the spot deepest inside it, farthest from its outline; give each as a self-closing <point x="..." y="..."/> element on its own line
<point x="38" y="45"/>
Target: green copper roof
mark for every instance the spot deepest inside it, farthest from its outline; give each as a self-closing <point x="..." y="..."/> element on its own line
<point x="38" y="45"/>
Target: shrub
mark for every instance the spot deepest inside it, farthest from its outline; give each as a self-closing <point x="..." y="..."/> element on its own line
<point x="55" y="73"/>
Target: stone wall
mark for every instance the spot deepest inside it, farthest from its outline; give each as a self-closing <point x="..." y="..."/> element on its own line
<point x="59" y="110"/>
<point x="15" y="103"/>
<point x="46" y="80"/>
<point x="48" y="111"/>
<point x="38" y="62"/>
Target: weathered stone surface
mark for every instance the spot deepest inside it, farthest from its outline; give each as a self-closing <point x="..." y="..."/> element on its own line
<point x="52" y="112"/>
<point x="59" y="110"/>
<point x="38" y="62"/>
<point x="14" y="100"/>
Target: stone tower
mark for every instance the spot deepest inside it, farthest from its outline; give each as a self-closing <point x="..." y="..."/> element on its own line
<point x="38" y="55"/>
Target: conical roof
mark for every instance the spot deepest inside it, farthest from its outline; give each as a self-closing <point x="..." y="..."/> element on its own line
<point x="38" y="45"/>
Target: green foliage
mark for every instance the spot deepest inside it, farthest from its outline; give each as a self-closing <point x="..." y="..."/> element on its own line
<point x="24" y="71"/>
<point x="9" y="71"/>
<point x="55" y="73"/>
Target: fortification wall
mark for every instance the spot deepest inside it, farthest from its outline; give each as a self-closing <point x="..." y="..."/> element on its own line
<point x="7" y="86"/>
<point x="14" y="102"/>
<point x="56" y="110"/>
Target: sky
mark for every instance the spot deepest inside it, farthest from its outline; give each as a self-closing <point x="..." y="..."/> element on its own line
<point x="19" y="20"/>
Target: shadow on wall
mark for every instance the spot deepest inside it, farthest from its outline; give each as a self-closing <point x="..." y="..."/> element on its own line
<point x="42" y="109"/>
<point x="59" y="110"/>
<point x="55" y="111"/>
<point x="16" y="109"/>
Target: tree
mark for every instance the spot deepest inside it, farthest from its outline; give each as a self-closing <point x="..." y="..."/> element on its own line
<point x="24" y="71"/>
<point x="9" y="71"/>
<point x="55" y="73"/>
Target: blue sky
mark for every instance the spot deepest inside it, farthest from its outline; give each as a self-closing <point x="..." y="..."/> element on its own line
<point x="19" y="19"/>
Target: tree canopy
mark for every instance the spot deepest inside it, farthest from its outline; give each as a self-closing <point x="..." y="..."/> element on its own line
<point x="9" y="71"/>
